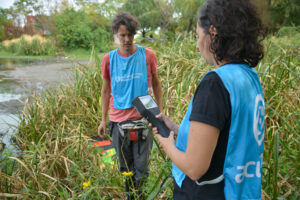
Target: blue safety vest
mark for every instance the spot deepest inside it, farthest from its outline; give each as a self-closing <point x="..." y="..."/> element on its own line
<point x="243" y="162"/>
<point x="129" y="77"/>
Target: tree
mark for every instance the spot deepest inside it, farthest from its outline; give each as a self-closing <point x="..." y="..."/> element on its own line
<point x="8" y="27"/>
<point x="94" y="12"/>
<point x="146" y="13"/>
<point x="166" y="10"/>
<point x="4" y="21"/>
<point x="73" y="29"/>
<point x="284" y="12"/>
<point x="101" y="36"/>
<point x="26" y="7"/>
<point x="187" y="11"/>
<point x="109" y="8"/>
<point x="23" y="8"/>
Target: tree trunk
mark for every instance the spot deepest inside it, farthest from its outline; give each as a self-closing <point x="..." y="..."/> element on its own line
<point x="190" y="24"/>
<point x="143" y="33"/>
<point x="163" y="32"/>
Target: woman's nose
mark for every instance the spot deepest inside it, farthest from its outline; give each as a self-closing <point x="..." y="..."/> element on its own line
<point x="197" y="46"/>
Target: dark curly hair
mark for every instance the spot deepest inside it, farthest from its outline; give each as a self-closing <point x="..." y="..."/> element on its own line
<point x="126" y="19"/>
<point x="239" y="28"/>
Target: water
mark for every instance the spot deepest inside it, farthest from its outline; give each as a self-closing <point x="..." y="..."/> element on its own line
<point x="19" y="79"/>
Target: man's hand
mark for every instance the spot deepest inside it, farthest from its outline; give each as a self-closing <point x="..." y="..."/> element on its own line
<point x="102" y="129"/>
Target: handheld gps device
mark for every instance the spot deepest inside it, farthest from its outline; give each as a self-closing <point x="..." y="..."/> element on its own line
<point x="148" y="108"/>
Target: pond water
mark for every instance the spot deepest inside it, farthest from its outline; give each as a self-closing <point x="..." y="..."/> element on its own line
<point x="19" y="79"/>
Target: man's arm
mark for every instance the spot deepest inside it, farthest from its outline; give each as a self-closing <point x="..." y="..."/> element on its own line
<point x="105" y="96"/>
<point x="156" y="85"/>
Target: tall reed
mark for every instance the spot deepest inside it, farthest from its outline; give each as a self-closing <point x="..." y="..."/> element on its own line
<point x="30" y="45"/>
<point x="280" y="75"/>
<point x="54" y="132"/>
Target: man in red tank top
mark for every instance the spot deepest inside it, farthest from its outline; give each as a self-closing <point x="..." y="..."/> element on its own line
<point x="133" y="147"/>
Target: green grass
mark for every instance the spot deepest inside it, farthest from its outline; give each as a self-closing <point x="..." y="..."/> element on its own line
<point x="55" y="129"/>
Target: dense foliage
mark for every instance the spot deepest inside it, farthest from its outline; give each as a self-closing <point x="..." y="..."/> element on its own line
<point x="54" y="133"/>
<point x="75" y="30"/>
<point x="88" y="24"/>
<point x="30" y="45"/>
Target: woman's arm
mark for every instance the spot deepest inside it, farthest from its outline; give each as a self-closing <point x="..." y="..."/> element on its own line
<point x="202" y="142"/>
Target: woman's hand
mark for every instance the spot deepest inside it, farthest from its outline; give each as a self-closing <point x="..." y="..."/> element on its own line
<point x="165" y="143"/>
<point x="169" y="123"/>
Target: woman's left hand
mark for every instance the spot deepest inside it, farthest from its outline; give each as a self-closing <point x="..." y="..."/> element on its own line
<point x="166" y="143"/>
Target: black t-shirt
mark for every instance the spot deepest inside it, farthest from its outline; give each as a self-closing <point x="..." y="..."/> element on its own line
<point x="211" y="105"/>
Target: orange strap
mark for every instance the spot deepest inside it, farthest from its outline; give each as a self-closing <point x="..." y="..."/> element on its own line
<point x="102" y="143"/>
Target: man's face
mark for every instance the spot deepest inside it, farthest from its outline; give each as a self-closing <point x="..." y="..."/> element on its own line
<point x="126" y="38"/>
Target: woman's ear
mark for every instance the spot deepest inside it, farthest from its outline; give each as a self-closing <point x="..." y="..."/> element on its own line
<point x="212" y="30"/>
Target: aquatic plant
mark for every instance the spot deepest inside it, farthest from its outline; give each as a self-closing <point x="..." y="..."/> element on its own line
<point x="30" y="45"/>
<point x="55" y="129"/>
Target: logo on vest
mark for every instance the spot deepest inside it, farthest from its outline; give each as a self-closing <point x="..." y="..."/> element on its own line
<point x="117" y="79"/>
<point x="128" y="77"/>
<point x="259" y="119"/>
<point x="250" y="170"/>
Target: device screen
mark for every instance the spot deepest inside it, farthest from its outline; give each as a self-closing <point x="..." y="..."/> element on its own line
<point x="148" y="102"/>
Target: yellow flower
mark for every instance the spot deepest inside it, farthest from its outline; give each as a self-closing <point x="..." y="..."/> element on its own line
<point x="86" y="184"/>
<point x="111" y="164"/>
<point x="127" y="173"/>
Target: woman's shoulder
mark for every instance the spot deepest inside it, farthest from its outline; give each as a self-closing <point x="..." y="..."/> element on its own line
<point x="210" y="79"/>
<point x="211" y="86"/>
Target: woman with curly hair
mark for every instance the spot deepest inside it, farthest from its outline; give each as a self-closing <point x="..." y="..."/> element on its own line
<point x="219" y="148"/>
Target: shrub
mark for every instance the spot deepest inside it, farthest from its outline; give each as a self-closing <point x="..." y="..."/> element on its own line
<point x="36" y="47"/>
<point x="73" y="29"/>
<point x="50" y="48"/>
<point x="24" y="46"/>
<point x="288" y="31"/>
<point x="30" y="45"/>
<point x="102" y="40"/>
<point x="54" y="130"/>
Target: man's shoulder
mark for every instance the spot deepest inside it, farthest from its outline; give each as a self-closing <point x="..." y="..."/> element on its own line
<point x="106" y="56"/>
<point x="150" y="53"/>
<point x="111" y="51"/>
<point x="105" y="60"/>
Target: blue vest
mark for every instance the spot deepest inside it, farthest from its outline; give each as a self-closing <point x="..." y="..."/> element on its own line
<point x="129" y="77"/>
<point x="243" y="162"/>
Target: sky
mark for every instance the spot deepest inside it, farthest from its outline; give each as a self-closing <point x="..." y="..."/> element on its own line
<point x="6" y="3"/>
